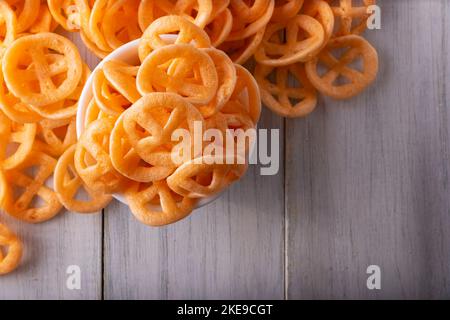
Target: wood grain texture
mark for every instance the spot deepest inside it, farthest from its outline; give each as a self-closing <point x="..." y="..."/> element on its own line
<point x="368" y="178"/>
<point x="50" y="248"/>
<point x="230" y="249"/>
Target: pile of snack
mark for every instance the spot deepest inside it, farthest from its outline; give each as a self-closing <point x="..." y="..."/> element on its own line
<point x="190" y="72"/>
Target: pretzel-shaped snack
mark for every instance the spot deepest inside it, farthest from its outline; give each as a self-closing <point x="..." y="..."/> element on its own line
<point x="355" y="47"/>
<point x="21" y="78"/>
<point x="286" y="9"/>
<point x="10" y="260"/>
<point x="122" y="77"/>
<point x="350" y="19"/>
<point x="15" y="109"/>
<point x="22" y="135"/>
<point x="249" y="10"/>
<point x="21" y="206"/>
<point x="199" y="11"/>
<point x="219" y="28"/>
<point x="120" y="24"/>
<point x="150" y="122"/>
<point x="246" y="94"/>
<point x="127" y="161"/>
<point x="107" y="97"/>
<point x="321" y="11"/>
<point x="56" y="136"/>
<point x="67" y="184"/>
<point x="278" y="95"/>
<point x="147" y="13"/>
<point x="92" y="160"/>
<point x="26" y="11"/>
<point x="44" y="21"/>
<point x="240" y="51"/>
<point x="194" y="78"/>
<point x="94" y="31"/>
<point x="8" y="25"/>
<point x="185" y="180"/>
<point x="226" y="72"/>
<point x="187" y="32"/>
<point x="70" y="14"/>
<point x="141" y="197"/>
<point x="304" y="36"/>
<point x="66" y="108"/>
<point x="244" y="28"/>
<point x="93" y="113"/>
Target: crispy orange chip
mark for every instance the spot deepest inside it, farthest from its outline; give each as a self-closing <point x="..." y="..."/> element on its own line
<point x="24" y="187"/>
<point x="8" y="25"/>
<point x="304" y="36"/>
<point x="123" y="77"/>
<point x="19" y="137"/>
<point x="150" y="122"/>
<point x="350" y="18"/>
<point x="227" y="81"/>
<point x="67" y="184"/>
<point x="187" y="32"/>
<point x="55" y="136"/>
<point x="286" y="9"/>
<point x="194" y="77"/>
<point x="127" y="161"/>
<point x="10" y="250"/>
<point x="26" y="11"/>
<point x="92" y="160"/>
<point x="278" y="95"/>
<point x="220" y="28"/>
<point x="141" y="198"/>
<point x="21" y="78"/>
<point x="241" y="51"/>
<point x="337" y="67"/>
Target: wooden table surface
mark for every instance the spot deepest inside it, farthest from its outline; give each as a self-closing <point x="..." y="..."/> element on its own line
<point x="363" y="182"/>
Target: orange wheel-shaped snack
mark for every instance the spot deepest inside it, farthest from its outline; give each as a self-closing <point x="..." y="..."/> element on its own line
<point x="15" y="109"/>
<point x="279" y="95"/>
<point x="67" y="184"/>
<point x="120" y="24"/>
<point x="244" y="28"/>
<point x="18" y="136"/>
<point x="186" y="32"/>
<point x="185" y="180"/>
<point x="355" y="47"/>
<point x="249" y="10"/>
<point x="92" y="46"/>
<point x="148" y="12"/>
<point x="95" y="31"/>
<point x="350" y="18"/>
<point x="122" y="77"/>
<point x="44" y="21"/>
<point x="144" y="200"/>
<point x="21" y="206"/>
<point x="220" y="28"/>
<point x="56" y="136"/>
<point x="194" y="77"/>
<point x="321" y="11"/>
<point x="246" y="94"/>
<point x="93" y="113"/>
<point x="199" y="11"/>
<point x="107" y="97"/>
<point x="304" y="36"/>
<point x="26" y="11"/>
<point x="66" y="108"/>
<point x="226" y="72"/>
<point x="150" y="122"/>
<point x="8" y="25"/>
<point x="10" y="249"/>
<point x="241" y="51"/>
<point x="286" y="9"/>
<point x="72" y="15"/>
<point x="127" y="161"/>
<point x="37" y="81"/>
<point x="92" y="160"/>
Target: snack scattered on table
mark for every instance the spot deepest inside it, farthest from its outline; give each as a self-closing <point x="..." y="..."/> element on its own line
<point x="189" y="72"/>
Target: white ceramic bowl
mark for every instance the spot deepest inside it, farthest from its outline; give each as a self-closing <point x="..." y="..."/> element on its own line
<point x="127" y="53"/>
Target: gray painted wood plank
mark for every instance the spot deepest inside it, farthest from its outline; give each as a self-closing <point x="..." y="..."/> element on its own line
<point x="367" y="179"/>
<point x="231" y="249"/>
<point x="50" y="248"/>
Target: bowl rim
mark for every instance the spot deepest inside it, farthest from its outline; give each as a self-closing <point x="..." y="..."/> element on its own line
<point x="125" y="54"/>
